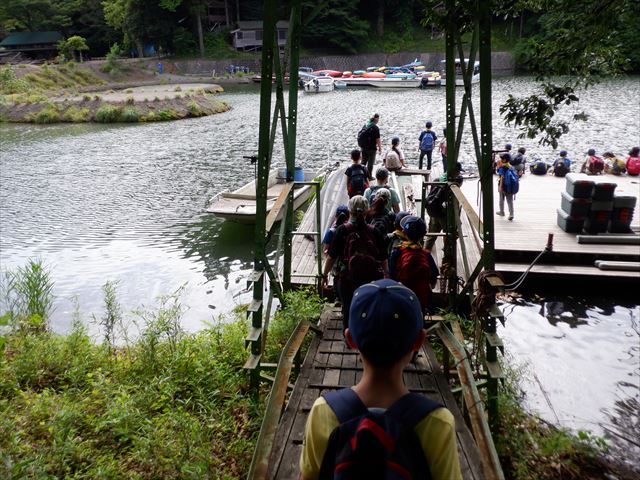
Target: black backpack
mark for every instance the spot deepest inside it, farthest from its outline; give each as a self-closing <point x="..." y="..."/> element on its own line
<point x="434" y="204"/>
<point x="560" y="169"/>
<point x="359" y="180"/>
<point x="365" y="136"/>
<point x="360" y="255"/>
<point x="375" y="446"/>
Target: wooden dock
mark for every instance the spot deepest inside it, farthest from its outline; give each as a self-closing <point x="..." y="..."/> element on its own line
<point x="517" y="242"/>
<point x="330" y="365"/>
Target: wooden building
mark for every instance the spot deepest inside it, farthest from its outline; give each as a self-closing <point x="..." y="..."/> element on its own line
<point x="248" y="35"/>
<point x="36" y="45"/>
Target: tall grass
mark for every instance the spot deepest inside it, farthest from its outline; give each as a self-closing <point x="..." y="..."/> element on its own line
<point x="26" y="292"/>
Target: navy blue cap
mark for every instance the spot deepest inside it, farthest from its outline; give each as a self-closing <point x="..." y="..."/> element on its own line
<point x="342" y="209"/>
<point x="399" y="217"/>
<point x="413" y="227"/>
<point x="385" y="319"/>
<point x="563" y="153"/>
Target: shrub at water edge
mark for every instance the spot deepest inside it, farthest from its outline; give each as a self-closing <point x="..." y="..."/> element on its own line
<point x="108" y="113"/>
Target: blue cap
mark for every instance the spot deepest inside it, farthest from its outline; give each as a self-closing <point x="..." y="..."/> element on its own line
<point x="507" y="146"/>
<point x="385" y="319"/>
<point x="413" y="227"/>
<point x="399" y="217"/>
<point x="342" y="209"/>
<point x="563" y="153"/>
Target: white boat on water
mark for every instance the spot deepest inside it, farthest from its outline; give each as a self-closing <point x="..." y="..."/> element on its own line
<point x="240" y="205"/>
<point x="318" y="84"/>
<point x="475" y="78"/>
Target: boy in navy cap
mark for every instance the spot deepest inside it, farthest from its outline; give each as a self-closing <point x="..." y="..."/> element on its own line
<point x="385" y="325"/>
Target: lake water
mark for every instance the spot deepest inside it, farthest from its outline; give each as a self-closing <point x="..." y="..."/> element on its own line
<point x="125" y="203"/>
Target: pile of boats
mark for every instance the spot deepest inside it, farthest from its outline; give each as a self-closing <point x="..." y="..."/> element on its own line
<point x="411" y="75"/>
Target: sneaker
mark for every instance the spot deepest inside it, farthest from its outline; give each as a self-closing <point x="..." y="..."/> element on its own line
<point x="500" y="213"/>
<point x="510" y="217"/>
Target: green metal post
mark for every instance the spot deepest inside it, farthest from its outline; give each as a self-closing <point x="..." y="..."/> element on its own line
<point x="290" y="146"/>
<point x="264" y="161"/>
<point x="486" y="180"/>
<point x="452" y="154"/>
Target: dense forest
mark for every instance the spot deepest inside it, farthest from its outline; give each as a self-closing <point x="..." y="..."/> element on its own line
<point x="201" y="27"/>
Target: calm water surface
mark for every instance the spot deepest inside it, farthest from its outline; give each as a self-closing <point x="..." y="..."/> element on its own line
<point x="125" y="203"/>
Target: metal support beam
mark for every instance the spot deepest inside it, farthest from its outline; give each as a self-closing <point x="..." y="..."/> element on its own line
<point x="293" y="52"/>
<point x="264" y="162"/>
<point x="452" y="153"/>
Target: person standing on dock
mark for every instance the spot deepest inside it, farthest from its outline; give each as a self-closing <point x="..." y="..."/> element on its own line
<point x="386" y="326"/>
<point x="382" y="180"/>
<point x="426" y="142"/>
<point x="443" y="149"/>
<point x="508" y="185"/>
<point x="357" y="175"/>
<point x="370" y="143"/>
<point x="360" y="252"/>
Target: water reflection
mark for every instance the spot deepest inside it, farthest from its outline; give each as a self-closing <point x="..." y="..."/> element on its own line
<point x="583" y="358"/>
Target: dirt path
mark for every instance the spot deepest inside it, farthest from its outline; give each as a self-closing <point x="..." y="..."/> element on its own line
<point x="146" y="92"/>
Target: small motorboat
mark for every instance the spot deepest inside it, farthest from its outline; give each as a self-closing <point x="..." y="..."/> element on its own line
<point x="475" y="78"/>
<point x="318" y="84"/>
<point x="240" y="205"/>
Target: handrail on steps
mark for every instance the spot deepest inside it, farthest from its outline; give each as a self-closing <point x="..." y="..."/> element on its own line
<point x="481" y="431"/>
<point x="260" y="462"/>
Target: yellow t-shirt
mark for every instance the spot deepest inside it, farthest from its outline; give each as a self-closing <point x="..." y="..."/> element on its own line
<point x="436" y="432"/>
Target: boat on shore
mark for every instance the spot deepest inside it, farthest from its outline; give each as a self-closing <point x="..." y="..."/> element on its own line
<point x="240" y="205"/>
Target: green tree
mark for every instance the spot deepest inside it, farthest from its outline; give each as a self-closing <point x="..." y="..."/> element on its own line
<point x="71" y="45"/>
<point x="140" y="21"/>
<point x="37" y="15"/>
<point x="196" y="8"/>
<point x="336" y="24"/>
<point x="578" y="43"/>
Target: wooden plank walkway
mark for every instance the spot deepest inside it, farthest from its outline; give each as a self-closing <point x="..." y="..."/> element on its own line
<point x="330" y="365"/>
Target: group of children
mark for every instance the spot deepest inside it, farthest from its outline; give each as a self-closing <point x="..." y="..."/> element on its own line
<point x="592" y="164"/>
<point x="510" y="168"/>
<point x="383" y="277"/>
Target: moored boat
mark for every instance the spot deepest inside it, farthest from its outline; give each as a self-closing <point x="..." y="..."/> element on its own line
<point x="475" y="78"/>
<point x="240" y="205"/>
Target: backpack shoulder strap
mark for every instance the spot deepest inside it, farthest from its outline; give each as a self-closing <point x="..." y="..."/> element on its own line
<point x="345" y="403"/>
<point x="411" y="409"/>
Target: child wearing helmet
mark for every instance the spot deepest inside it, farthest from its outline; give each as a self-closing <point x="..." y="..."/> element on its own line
<point x="393" y="160"/>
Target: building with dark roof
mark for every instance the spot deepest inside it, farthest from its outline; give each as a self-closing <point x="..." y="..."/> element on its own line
<point x="248" y="35"/>
<point x="37" y="45"/>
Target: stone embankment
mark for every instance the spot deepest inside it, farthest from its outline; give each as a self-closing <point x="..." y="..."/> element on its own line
<point x="502" y="63"/>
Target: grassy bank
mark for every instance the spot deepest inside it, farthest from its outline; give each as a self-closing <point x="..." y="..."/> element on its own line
<point x="52" y="94"/>
<point x="167" y="405"/>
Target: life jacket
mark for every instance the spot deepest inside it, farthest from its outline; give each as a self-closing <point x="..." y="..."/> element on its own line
<point x="375" y="445"/>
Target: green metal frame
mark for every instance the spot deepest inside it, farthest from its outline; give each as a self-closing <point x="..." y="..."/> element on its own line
<point x="482" y="139"/>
